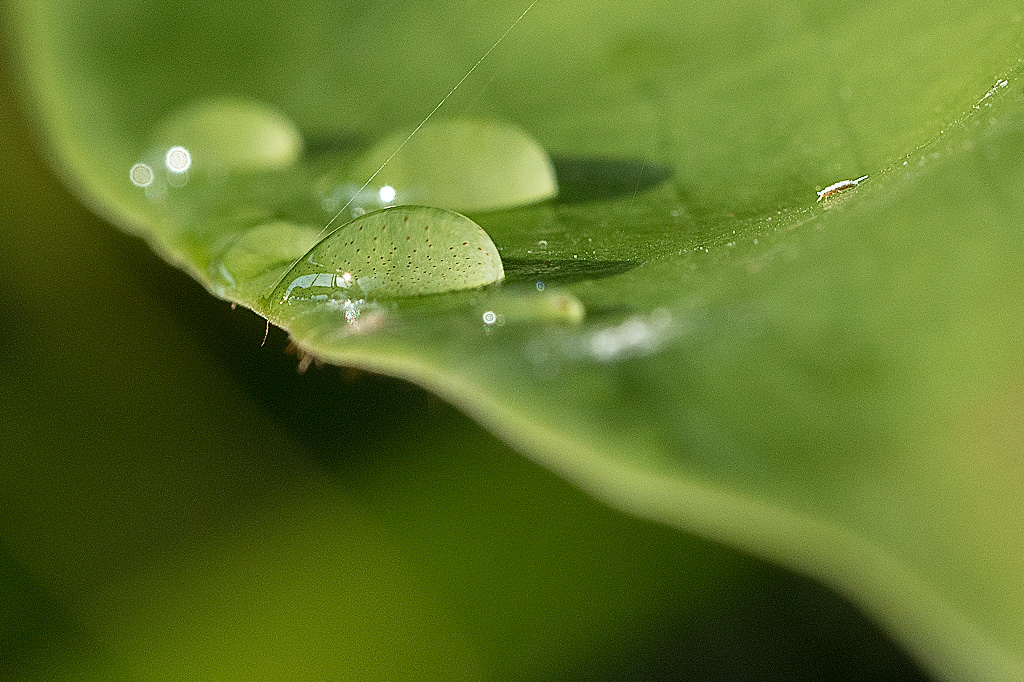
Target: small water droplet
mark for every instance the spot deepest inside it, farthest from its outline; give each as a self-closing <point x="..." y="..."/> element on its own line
<point x="531" y="307"/>
<point x="178" y="159"/>
<point x="141" y="175"/>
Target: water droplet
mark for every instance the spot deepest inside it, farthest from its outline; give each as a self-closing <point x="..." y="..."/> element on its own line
<point x="461" y="164"/>
<point x="398" y="251"/>
<point x="518" y="307"/>
<point x="141" y="175"/>
<point x="490" y="317"/>
<point x="178" y="159"/>
<point x="232" y="133"/>
<point x="258" y="259"/>
<point x="543" y="243"/>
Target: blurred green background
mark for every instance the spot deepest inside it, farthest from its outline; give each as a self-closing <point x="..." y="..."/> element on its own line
<point x="168" y="510"/>
<point x="840" y="391"/>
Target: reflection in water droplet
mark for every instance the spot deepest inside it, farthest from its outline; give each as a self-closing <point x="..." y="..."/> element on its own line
<point x="460" y="164"/>
<point x="321" y="281"/>
<point x="178" y="159"/>
<point x="141" y="175"/>
<point x="490" y="317"/>
<point x="400" y="251"/>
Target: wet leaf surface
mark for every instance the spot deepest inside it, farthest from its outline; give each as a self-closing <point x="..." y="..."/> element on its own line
<point x="831" y="385"/>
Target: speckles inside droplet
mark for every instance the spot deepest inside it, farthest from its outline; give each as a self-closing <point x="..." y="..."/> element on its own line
<point x="395" y="252"/>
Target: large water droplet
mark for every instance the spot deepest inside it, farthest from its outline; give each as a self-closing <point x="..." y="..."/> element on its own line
<point x="400" y="251"/>
<point x="259" y="258"/>
<point x="460" y="164"/>
<point x="232" y="134"/>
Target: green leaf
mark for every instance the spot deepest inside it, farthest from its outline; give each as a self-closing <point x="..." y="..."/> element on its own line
<point x="179" y="503"/>
<point x="831" y="385"/>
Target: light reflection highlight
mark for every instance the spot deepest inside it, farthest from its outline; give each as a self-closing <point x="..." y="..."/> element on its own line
<point x="141" y="175"/>
<point x="178" y="159"/>
<point x="322" y="280"/>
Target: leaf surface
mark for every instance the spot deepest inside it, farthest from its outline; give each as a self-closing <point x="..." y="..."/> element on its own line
<point x="832" y="385"/>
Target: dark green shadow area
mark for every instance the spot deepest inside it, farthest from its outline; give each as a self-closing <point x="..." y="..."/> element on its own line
<point x="561" y="270"/>
<point x="342" y="143"/>
<point x="37" y="634"/>
<point x="583" y="179"/>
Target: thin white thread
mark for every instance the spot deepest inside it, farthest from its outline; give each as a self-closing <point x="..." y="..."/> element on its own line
<point x="429" y="116"/>
<point x="636" y="188"/>
<point x="480" y="94"/>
